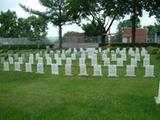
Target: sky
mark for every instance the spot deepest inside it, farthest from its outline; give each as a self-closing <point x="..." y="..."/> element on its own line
<point x="53" y="30"/>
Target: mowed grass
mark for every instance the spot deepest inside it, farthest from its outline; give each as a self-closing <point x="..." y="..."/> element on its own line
<point x="30" y="96"/>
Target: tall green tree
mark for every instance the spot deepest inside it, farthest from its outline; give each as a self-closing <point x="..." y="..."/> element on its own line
<point x="91" y="29"/>
<point x="23" y="27"/>
<point x="37" y="28"/>
<point x="56" y="13"/>
<point x="100" y="13"/>
<point x="152" y="29"/>
<point x="8" y="24"/>
<point x="135" y="9"/>
<point x="32" y="27"/>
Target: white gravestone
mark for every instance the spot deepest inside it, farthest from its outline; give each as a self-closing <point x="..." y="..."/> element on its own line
<point x="11" y="61"/>
<point x="17" y="66"/>
<point x="31" y="60"/>
<point x="134" y="62"/>
<point x="20" y="60"/>
<point x="146" y="61"/>
<point x="69" y="61"/>
<point x="40" y="60"/>
<point x="74" y="50"/>
<point x="124" y="56"/>
<point x="54" y="69"/>
<point x="99" y="50"/>
<point x="112" y="71"/>
<point x="106" y="61"/>
<point x="104" y="56"/>
<point x="37" y="56"/>
<point x="143" y="52"/>
<point x="28" y="67"/>
<point x="130" y="70"/>
<point x="93" y="61"/>
<point x="73" y="56"/>
<point x="90" y="54"/>
<point x="31" y="55"/>
<point x="59" y="61"/>
<point x="132" y="53"/>
<point x="47" y="55"/>
<point x="157" y="99"/>
<point x="94" y="56"/>
<point x="146" y="56"/>
<point x="40" y="68"/>
<point x="63" y="56"/>
<point x="49" y="60"/>
<point x="113" y="57"/>
<point x="5" y="66"/>
<point x="137" y="56"/>
<point x="149" y="71"/>
<point x="81" y="61"/>
<point x="83" y="55"/>
<point x="117" y="50"/>
<point x="68" y="69"/>
<point x="56" y="56"/>
<point x="119" y="62"/>
<point x="97" y="70"/>
<point x="81" y="50"/>
<point x="16" y="57"/>
<point x="83" y="70"/>
<point x="51" y="53"/>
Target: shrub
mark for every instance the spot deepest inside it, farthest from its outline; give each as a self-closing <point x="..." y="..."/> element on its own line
<point x="158" y="54"/>
<point x="152" y="50"/>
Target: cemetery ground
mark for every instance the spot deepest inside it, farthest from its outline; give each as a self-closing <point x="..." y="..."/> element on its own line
<point x="31" y="96"/>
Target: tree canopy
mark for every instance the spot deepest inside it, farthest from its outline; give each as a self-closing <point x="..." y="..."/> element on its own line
<point x="8" y="24"/>
<point x="100" y="13"/>
<point x="56" y="12"/>
<point x="32" y="27"/>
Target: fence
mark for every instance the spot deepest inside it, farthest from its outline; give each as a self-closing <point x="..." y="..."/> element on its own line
<point x="24" y="41"/>
<point x="87" y="41"/>
<point x="115" y="38"/>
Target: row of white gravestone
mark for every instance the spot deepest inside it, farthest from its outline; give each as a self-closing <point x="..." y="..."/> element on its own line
<point x="86" y="52"/>
<point x="97" y="69"/>
<point x="112" y="70"/>
<point x="146" y="61"/>
<point x="120" y="61"/>
<point x="134" y="61"/>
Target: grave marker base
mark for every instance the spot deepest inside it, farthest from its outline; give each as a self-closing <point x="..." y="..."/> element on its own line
<point x="157" y="99"/>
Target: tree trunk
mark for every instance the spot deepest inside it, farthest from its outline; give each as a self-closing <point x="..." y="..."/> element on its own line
<point x="60" y="24"/>
<point x="106" y="31"/>
<point x="60" y="36"/>
<point x="103" y="41"/>
<point x="134" y="25"/>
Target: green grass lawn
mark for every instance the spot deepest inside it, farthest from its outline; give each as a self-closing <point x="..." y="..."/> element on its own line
<point x="29" y="96"/>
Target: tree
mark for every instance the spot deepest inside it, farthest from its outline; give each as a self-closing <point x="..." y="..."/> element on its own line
<point x="91" y="29"/>
<point x="135" y="8"/>
<point x="56" y="13"/>
<point x="152" y="29"/>
<point x="70" y="33"/>
<point x="23" y="27"/>
<point x="37" y="29"/>
<point x="100" y="13"/>
<point x="8" y="24"/>
<point x="128" y="23"/>
<point x="32" y="27"/>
